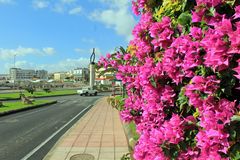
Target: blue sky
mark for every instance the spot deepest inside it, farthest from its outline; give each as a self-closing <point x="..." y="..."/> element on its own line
<point x="58" y="35"/>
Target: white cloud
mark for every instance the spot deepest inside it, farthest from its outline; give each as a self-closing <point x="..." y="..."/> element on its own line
<point x="66" y="6"/>
<point x="20" y="64"/>
<point x="68" y="1"/>
<point x="69" y="64"/>
<point x="75" y="11"/>
<point x="40" y="4"/>
<point x="49" y="50"/>
<point x="59" y="8"/>
<point x="117" y="16"/>
<point x="7" y="2"/>
<point x="88" y="40"/>
<point x="116" y="3"/>
<point x="21" y="51"/>
<point x="25" y="65"/>
<point x="64" y="65"/>
<point x="79" y="50"/>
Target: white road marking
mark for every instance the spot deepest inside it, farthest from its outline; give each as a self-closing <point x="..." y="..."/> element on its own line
<point x="53" y="135"/>
<point x="62" y="101"/>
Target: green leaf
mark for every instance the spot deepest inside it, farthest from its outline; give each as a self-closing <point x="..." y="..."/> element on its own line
<point x="182" y="100"/>
<point x="235" y="151"/>
<point x="211" y="12"/>
<point x="122" y="50"/>
<point x="153" y="82"/>
<point x="203" y="71"/>
<point x="233" y="134"/>
<point x="185" y="19"/>
<point x="235" y="118"/>
<point x="189" y="5"/>
<point x="196" y="114"/>
<point x="230" y="2"/>
<point x="227" y="83"/>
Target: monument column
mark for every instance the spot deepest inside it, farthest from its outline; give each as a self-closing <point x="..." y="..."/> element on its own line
<point x="92" y="69"/>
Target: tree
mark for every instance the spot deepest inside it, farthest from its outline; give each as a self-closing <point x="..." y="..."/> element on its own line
<point x="47" y="90"/>
<point x="30" y="89"/>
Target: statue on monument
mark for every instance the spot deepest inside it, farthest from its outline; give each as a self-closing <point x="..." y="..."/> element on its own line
<point x="92" y="58"/>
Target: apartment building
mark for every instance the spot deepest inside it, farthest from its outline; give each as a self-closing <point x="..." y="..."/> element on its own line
<point x="18" y="74"/>
<point x="60" y="76"/>
<point x="80" y="74"/>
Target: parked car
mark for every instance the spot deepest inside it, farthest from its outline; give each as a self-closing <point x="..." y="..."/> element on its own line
<point x="87" y="91"/>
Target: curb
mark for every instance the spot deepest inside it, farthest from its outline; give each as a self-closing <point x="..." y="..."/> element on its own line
<point x="129" y="136"/>
<point x="26" y="108"/>
<point x="130" y="140"/>
<point x="11" y="99"/>
<point x="54" y="95"/>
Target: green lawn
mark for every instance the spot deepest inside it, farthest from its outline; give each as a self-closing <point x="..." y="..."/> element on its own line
<point x="7" y="106"/>
<point x="9" y="96"/>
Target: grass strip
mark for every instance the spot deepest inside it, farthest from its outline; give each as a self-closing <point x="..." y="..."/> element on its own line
<point x="9" y="106"/>
<point x="9" y="96"/>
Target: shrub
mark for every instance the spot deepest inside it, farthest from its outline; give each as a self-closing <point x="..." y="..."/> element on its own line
<point x="47" y="90"/>
<point x="30" y="89"/>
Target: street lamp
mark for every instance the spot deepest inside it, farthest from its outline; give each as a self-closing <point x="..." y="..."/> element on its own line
<point x="14" y="60"/>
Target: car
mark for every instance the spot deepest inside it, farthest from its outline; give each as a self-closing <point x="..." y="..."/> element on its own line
<point x="87" y="91"/>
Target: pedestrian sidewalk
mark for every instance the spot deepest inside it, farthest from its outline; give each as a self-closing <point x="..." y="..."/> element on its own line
<point x="98" y="133"/>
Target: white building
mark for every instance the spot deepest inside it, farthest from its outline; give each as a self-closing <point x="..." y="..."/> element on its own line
<point x="80" y="74"/>
<point x="60" y="76"/>
<point x="41" y="74"/>
<point x="106" y="79"/>
<point x="18" y="74"/>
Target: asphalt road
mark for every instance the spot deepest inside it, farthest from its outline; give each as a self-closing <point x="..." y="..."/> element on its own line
<point x="22" y="134"/>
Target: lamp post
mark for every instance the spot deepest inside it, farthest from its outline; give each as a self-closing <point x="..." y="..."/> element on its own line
<point x="14" y="60"/>
<point x="92" y="69"/>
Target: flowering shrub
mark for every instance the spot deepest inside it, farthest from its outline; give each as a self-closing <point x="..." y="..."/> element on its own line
<point x="182" y="72"/>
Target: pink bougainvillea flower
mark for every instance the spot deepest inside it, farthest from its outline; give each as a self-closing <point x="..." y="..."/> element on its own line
<point x="237" y="12"/>
<point x="166" y="67"/>
<point x="196" y="33"/>
<point x="209" y="2"/>
<point x="235" y="41"/>
<point x="237" y="69"/>
<point x="135" y="8"/>
<point x="196" y="17"/>
<point x="161" y="33"/>
<point x="127" y="57"/>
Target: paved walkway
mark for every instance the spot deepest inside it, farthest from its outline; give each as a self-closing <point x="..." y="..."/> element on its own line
<point x="99" y="133"/>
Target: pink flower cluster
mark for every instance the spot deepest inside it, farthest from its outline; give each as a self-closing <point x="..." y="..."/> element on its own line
<point x="164" y="65"/>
